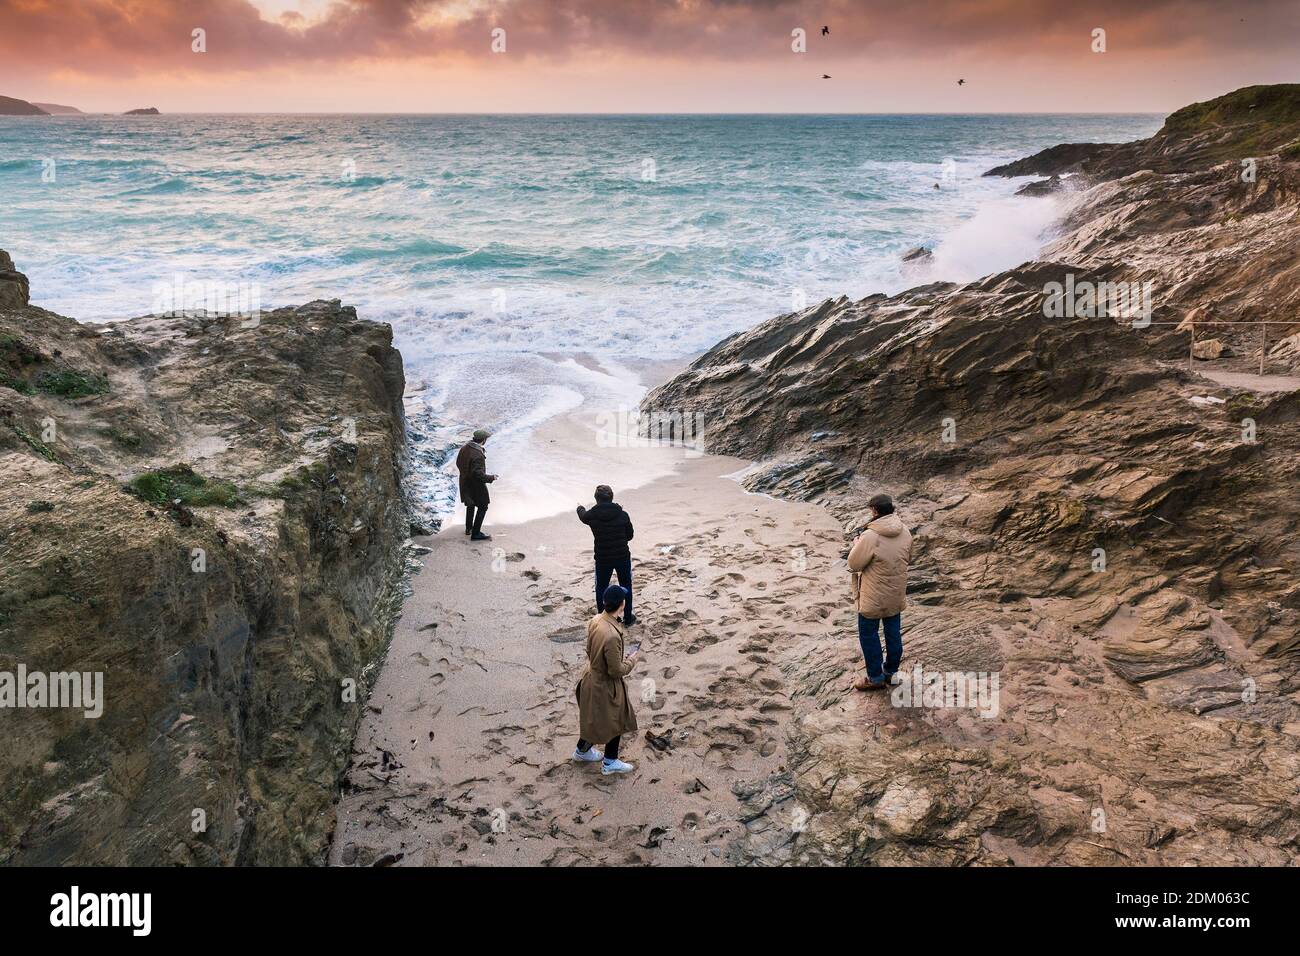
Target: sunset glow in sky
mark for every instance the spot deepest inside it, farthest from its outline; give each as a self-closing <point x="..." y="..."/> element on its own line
<point x="641" y="55"/>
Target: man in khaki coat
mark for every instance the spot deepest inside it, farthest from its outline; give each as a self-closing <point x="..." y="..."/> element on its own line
<point x="604" y="706"/>
<point x="878" y="560"/>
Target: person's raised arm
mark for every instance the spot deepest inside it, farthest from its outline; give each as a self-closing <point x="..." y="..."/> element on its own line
<point x="863" y="550"/>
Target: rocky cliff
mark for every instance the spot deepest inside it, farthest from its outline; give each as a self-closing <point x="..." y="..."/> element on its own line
<point x="1108" y="525"/>
<point x="208" y="512"/>
<point x="1251" y="122"/>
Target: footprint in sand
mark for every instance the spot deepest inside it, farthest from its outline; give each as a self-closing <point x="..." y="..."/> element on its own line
<point x="700" y="643"/>
<point x="719" y="755"/>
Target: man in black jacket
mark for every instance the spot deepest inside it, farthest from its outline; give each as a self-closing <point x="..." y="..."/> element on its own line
<point x="611" y="529"/>
<point x="474" y="479"/>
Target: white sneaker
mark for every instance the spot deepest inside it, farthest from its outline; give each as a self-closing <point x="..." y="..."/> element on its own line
<point x="591" y="754"/>
<point x="616" y="766"/>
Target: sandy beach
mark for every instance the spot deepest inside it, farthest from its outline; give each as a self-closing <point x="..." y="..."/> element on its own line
<point x="463" y="757"/>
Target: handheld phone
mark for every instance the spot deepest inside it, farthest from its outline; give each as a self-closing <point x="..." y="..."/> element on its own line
<point x="633" y="649"/>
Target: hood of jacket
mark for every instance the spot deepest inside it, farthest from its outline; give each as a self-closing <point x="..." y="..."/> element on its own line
<point x="888" y="526"/>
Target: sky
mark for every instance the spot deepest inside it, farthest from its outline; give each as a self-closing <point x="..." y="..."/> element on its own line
<point x="659" y="56"/>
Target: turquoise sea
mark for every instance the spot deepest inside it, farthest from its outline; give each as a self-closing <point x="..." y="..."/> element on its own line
<point x="490" y="240"/>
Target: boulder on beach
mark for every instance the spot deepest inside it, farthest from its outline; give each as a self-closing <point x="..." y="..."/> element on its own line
<point x="1210" y="349"/>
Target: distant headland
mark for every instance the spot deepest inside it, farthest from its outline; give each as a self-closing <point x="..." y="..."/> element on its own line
<point x="12" y="106"/>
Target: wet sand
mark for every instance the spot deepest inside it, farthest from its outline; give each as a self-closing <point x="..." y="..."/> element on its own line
<point x="463" y="757"/>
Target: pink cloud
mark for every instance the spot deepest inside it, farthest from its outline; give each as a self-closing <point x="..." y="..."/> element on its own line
<point x="133" y="37"/>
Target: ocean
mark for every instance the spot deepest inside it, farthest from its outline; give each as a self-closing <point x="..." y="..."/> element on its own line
<point x="500" y="247"/>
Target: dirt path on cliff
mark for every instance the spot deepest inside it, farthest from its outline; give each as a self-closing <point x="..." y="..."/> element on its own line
<point x="463" y="754"/>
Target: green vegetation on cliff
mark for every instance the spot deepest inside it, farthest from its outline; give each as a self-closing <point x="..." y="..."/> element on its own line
<point x="181" y="482"/>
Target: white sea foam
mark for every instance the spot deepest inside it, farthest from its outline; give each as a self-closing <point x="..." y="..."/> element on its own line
<point x="1004" y="232"/>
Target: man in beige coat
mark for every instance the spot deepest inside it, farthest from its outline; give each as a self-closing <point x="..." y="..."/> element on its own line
<point x="604" y="706"/>
<point x="878" y="560"/>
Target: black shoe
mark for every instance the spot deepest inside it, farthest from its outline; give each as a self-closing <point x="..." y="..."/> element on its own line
<point x="469" y="530"/>
<point x="480" y="536"/>
<point x="629" y="621"/>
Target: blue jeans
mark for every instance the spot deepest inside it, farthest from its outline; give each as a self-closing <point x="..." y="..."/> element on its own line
<point x="869" y="638"/>
<point x="623" y="568"/>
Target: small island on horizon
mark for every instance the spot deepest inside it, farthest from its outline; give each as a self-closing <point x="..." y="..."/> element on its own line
<point x="13" y="106"/>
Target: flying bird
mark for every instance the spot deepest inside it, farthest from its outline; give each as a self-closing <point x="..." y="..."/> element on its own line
<point x="961" y="82"/>
<point x="826" y="76"/>
<point x="826" y="31"/>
